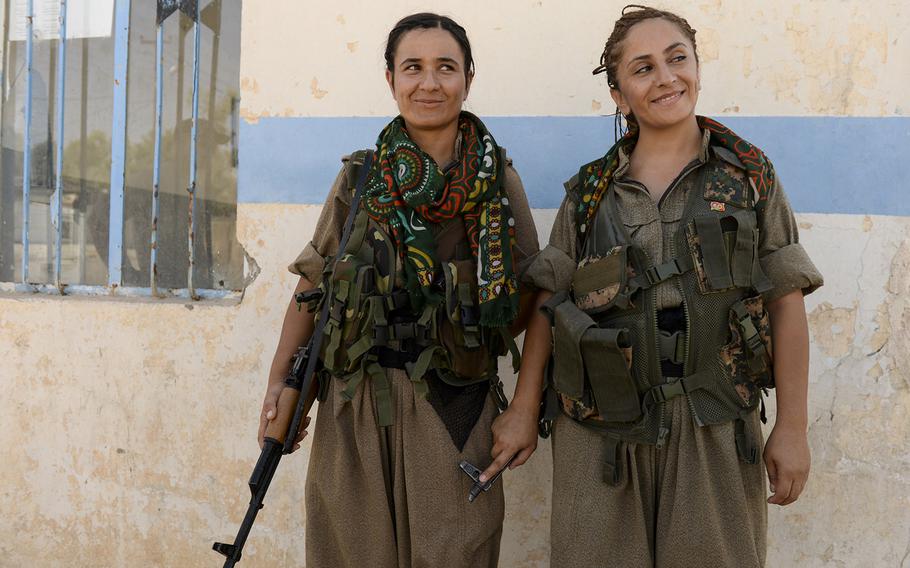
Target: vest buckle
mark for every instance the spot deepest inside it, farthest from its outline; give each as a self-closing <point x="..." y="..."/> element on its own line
<point x="668" y="391"/>
<point x="380" y="335"/>
<point x="673" y="346"/>
<point x="470" y="316"/>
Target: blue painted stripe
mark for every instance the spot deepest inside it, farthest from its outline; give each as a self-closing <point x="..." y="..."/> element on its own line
<point x="828" y="164"/>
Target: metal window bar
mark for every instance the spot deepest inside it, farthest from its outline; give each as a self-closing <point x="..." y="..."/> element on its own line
<point x="191" y="236"/>
<point x="27" y="138"/>
<point x="156" y="167"/>
<point x="57" y="201"/>
<point x="118" y="163"/>
<point x="118" y="142"/>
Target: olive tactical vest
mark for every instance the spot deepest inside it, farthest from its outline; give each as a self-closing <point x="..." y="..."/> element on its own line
<point x="607" y="344"/>
<point x="372" y="326"/>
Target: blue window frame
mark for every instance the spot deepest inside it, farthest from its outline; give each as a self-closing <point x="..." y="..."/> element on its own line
<point x="118" y="166"/>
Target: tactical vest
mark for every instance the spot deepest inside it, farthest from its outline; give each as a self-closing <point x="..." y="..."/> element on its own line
<point x="372" y="327"/>
<point x="607" y="343"/>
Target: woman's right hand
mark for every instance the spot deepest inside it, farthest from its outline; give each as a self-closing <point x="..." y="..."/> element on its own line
<point x="269" y="411"/>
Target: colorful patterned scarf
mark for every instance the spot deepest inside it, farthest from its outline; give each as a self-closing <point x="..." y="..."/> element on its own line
<point x="595" y="177"/>
<point x="406" y="189"/>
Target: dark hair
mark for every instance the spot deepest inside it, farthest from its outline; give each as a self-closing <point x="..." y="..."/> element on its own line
<point x="425" y="21"/>
<point x="631" y="15"/>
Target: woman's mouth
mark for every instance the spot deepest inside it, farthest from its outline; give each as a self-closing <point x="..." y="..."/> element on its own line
<point x="668" y="99"/>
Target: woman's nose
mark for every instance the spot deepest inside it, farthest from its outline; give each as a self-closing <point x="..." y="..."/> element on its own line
<point x="665" y="75"/>
<point x="429" y="81"/>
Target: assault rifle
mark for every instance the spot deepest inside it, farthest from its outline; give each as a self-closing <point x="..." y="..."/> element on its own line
<point x="292" y="408"/>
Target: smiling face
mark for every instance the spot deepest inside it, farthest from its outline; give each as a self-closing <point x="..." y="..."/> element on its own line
<point x="657" y="75"/>
<point x="429" y="82"/>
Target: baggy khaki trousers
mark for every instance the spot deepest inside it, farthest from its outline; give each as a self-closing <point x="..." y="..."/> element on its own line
<point x="395" y="497"/>
<point x="692" y="503"/>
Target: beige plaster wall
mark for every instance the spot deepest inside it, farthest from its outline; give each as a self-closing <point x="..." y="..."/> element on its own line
<point x="130" y="425"/>
<point x="534" y="57"/>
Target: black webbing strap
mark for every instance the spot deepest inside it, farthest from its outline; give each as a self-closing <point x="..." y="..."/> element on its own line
<point x="612" y="460"/>
<point x="745" y="444"/>
<point x="393" y="358"/>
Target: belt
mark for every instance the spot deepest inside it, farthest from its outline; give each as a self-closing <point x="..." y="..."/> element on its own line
<point x="392" y="358"/>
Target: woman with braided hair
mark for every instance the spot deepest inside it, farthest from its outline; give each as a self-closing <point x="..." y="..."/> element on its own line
<point x="675" y="283"/>
<point x="424" y="298"/>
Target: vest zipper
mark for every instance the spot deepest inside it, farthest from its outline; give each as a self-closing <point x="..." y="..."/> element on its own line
<point x="682" y="293"/>
<point x="688" y="339"/>
<point x="662" y="429"/>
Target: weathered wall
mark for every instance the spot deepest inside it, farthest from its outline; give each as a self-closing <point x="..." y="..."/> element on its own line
<point x="131" y="424"/>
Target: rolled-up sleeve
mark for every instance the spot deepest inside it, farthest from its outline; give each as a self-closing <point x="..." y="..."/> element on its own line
<point x="311" y="260"/>
<point x="782" y="257"/>
<point x="552" y="268"/>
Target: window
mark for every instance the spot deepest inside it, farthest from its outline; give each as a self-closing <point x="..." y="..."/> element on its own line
<point x="98" y="177"/>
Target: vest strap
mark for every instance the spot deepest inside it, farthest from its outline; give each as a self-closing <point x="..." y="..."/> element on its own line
<point x="745" y="444"/>
<point x="752" y="341"/>
<point x="661" y="272"/>
<point x="668" y="391"/>
<point x="612" y="473"/>
<point x="470" y="316"/>
<point x="383" y="388"/>
<point x="549" y="410"/>
<point x="499" y="394"/>
<point x="511" y="346"/>
<point x="742" y="261"/>
<point x="397" y="299"/>
<point x="714" y="252"/>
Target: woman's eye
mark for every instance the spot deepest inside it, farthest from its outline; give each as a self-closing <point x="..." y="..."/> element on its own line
<point x="412" y="67"/>
<point x="678" y="59"/>
<point x="643" y="69"/>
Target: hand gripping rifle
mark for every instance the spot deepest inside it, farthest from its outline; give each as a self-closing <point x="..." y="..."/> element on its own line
<point x="292" y="408"/>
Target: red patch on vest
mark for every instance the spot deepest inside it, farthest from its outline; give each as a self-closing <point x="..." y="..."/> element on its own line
<point x="718" y="206"/>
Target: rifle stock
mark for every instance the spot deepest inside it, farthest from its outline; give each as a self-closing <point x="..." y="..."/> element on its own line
<point x="278" y="440"/>
<point x="292" y="408"/>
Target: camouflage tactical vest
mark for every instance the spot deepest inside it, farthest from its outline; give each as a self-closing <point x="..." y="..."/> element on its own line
<point x="372" y="327"/>
<point x="607" y="344"/>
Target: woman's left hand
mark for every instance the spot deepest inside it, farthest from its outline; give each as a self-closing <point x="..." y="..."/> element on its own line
<point x="514" y="434"/>
<point x="787" y="460"/>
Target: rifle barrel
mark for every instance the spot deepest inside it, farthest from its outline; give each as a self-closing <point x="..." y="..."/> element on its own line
<point x="259" y="485"/>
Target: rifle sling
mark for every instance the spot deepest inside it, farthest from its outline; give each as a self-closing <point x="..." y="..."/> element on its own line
<point x="315" y="343"/>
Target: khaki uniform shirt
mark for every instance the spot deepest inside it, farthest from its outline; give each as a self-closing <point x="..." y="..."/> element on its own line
<point x="652" y="227"/>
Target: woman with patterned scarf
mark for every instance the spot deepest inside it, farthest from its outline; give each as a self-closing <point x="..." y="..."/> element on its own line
<point x="410" y="394"/>
<point x="673" y="267"/>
